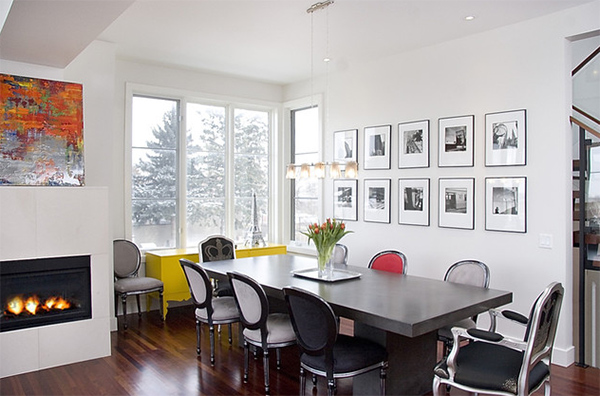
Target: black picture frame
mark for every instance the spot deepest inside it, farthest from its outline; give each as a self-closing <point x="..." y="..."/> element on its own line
<point x="345" y="199"/>
<point x="456" y="141"/>
<point x="506" y="204"/>
<point x="506" y="138"/>
<point x="413" y="201"/>
<point x="377" y="145"/>
<point x="457" y="203"/>
<point x="377" y="196"/>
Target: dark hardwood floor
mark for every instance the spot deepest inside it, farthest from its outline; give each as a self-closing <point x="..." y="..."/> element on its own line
<point x="156" y="358"/>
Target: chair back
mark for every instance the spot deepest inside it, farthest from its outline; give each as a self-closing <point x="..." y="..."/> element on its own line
<point x="340" y="254"/>
<point x="541" y="330"/>
<point x="126" y="257"/>
<point x="251" y="300"/>
<point x="215" y="248"/>
<point x="389" y="260"/>
<point x="199" y="284"/>
<point x="469" y="272"/>
<point x="313" y="321"/>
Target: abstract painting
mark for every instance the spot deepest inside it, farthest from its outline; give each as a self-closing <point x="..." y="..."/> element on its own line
<point x="41" y="132"/>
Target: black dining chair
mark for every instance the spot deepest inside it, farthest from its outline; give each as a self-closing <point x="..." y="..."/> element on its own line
<point x="496" y="364"/>
<point x="464" y="272"/>
<point x="325" y="352"/>
<point x="216" y="248"/>
<point x="261" y="329"/>
<point x="209" y="309"/>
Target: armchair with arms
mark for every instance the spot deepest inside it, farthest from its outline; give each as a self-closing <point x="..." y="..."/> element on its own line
<point x="494" y="364"/>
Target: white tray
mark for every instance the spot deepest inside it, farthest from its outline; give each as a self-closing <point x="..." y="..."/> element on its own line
<point x="338" y="275"/>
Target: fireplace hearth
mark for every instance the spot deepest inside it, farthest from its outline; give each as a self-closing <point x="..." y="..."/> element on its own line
<point x="45" y="291"/>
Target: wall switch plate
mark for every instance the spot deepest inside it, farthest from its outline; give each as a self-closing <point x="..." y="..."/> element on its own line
<point x="546" y="241"/>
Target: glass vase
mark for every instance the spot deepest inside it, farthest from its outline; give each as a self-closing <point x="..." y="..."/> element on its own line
<point x="325" y="261"/>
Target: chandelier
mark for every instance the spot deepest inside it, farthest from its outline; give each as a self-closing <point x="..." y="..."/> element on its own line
<point x="319" y="169"/>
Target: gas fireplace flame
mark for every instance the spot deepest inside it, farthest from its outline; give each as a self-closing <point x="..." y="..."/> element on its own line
<point x="31" y="305"/>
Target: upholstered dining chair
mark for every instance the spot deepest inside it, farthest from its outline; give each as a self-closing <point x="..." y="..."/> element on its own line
<point x="210" y="310"/>
<point x="325" y="352"/>
<point x="340" y="254"/>
<point x="127" y="259"/>
<point x="215" y="248"/>
<point x="261" y="329"/>
<point x="465" y="272"/>
<point x="389" y="260"/>
<point x="495" y="364"/>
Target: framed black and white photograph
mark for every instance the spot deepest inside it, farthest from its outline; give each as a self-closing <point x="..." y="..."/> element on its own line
<point x="506" y="138"/>
<point x="505" y="204"/>
<point x="345" y="146"/>
<point x="345" y="202"/>
<point x="413" y="201"/>
<point x="377" y="147"/>
<point x="456" y="136"/>
<point x="457" y="203"/>
<point x="377" y="200"/>
<point x="413" y="144"/>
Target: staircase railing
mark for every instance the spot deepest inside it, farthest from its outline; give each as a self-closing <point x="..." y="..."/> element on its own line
<point x="584" y="263"/>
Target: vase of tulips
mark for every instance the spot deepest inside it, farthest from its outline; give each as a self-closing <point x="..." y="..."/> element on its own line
<point x="325" y="236"/>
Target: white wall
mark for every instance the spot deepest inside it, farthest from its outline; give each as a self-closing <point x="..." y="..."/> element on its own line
<point x="523" y="66"/>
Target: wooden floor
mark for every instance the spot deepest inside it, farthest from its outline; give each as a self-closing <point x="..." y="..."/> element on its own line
<point x="156" y="358"/>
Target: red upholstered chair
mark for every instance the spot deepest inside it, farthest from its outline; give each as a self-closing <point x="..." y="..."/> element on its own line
<point x="389" y="260"/>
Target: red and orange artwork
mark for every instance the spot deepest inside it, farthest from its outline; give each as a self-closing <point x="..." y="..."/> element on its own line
<point x="41" y="132"/>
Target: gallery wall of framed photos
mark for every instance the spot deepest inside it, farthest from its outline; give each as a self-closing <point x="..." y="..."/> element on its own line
<point x="505" y="196"/>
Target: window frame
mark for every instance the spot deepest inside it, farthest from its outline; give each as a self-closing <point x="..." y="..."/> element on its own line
<point x="315" y="100"/>
<point x="230" y="104"/>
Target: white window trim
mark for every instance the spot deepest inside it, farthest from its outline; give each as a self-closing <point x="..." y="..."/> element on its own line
<point x="183" y="96"/>
<point x="313" y="100"/>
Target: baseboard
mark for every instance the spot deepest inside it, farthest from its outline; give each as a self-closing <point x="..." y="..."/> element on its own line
<point x="563" y="357"/>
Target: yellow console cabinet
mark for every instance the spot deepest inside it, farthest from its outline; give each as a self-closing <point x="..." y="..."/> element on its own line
<point x="164" y="265"/>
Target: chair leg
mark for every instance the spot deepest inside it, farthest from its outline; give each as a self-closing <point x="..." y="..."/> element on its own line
<point x="302" y="380"/>
<point x="382" y="375"/>
<point x="278" y="359"/>
<point x="547" y="388"/>
<point x="160" y="307"/>
<point x="266" y="369"/>
<point x="229" y="328"/>
<point x="246" y="360"/>
<point x="137" y="297"/>
<point x="124" y="303"/>
<point x="211" y="330"/>
<point x="198" y="337"/>
<point x="330" y="386"/>
<point x="437" y="385"/>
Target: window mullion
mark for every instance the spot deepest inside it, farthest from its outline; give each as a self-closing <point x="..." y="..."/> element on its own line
<point x="229" y="171"/>
<point x="182" y="175"/>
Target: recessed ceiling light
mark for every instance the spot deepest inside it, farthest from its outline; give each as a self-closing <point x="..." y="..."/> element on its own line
<point x="469" y="18"/>
<point x="326" y="59"/>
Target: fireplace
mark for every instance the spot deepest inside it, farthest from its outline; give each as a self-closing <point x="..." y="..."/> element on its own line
<point x="45" y="291"/>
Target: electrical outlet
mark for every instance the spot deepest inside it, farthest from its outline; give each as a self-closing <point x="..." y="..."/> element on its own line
<point x="546" y="241"/>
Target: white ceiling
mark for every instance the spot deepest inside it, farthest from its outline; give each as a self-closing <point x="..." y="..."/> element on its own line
<point x="265" y="40"/>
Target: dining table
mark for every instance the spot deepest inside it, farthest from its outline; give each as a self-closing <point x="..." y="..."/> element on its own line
<point x="402" y="312"/>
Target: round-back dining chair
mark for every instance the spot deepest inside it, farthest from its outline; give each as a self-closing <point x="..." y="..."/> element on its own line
<point x="389" y="260"/>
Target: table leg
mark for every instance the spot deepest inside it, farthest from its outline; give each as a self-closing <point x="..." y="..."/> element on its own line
<point x="411" y="363"/>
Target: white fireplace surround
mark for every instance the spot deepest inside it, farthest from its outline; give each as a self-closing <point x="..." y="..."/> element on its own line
<point x="40" y="222"/>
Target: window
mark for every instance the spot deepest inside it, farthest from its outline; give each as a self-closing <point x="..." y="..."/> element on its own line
<point x="155" y="131"/>
<point x="197" y="178"/>
<point x="305" y="191"/>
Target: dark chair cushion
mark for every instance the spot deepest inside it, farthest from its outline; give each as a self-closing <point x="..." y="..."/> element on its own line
<point x="349" y="354"/>
<point x="493" y="367"/>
